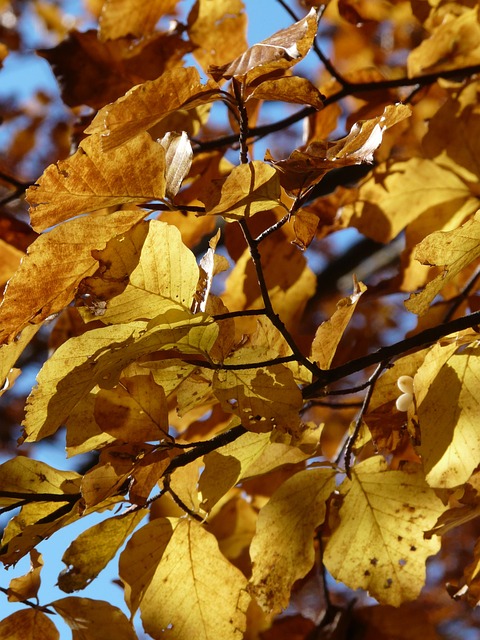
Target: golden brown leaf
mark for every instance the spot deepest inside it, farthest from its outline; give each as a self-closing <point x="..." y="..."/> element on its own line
<point x="26" y="587"/>
<point x="28" y="624"/>
<point x="121" y="18"/>
<point x="178" y="160"/>
<point x="289" y="89"/>
<point x="93" y="618"/>
<point x="93" y="178"/>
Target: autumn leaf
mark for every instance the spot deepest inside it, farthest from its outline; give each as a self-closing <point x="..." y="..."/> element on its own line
<point x="330" y="332"/>
<point x="55" y="264"/>
<point x="281" y="51"/>
<point x="447" y="406"/>
<point x="28" y="624"/>
<point x="249" y="188"/>
<point x="289" y="89"/>
<point x="140" y="108"/>
<point x="378" y="544"/>
<point x="282" y="549"/>
<point x="191" y="568"/>
<point x="94" y="548"/>
<point x="452" y="250"/>
<point x="92" y="179"/>
<point x="26" y="587"/>
<point x="178" y="160"/>
<point x="125" y="17"/>
<point x="95" y="618"/>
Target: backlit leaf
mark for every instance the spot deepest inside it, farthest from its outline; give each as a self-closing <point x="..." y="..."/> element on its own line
<point x="330" y="332"/>
<point x="192" y="570"/>
<point x="28" y="624"/>
<point x="93" y="619"/>
<point x="141" y="109"/>
<point x="282" y="549"/>
<point x="452" y="250"/>
<point x="54" y="266"/>
<point x="26" y="587"/>
<point x="249" y="188"/>
<point x="281" y="51"/>
<point x="378" y="544"/>
<point x="93" y="178"/>
<point x="126" y="17"/>
<point x="178" y="160"/>
<point x="447" y="408"/>
<point x="94" y="548"/>
<point x="289" y="89"/>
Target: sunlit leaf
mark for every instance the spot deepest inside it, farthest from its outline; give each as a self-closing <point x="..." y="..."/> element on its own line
<point x="209" y="266"/>
<point x="281" y="51"/>
<point x="126" y="17"/>
<point x="28" y="624"/>
<point x="26" y="587"/>
<point x="452" y="250"/>
<point x="94" y="548"/>
<point x="178" y="160"/>
<point x="193" y="570"/>
<point x="282" y="549"/>
<point x="378" y="544"/>
<point x="54" y="266"/>
<point x="447" y="408"/>
<point x="141" y="109"/>
<point x="289" y="89"/>
<point x="330" y="332"/>
<point x="249" y="188"/>
<point x="93" y="618"/>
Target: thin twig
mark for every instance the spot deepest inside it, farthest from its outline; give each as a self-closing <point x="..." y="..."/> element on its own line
<point x="29" y="603"/>
<point x="358" y="422"/>
<point x="178" y="501"/>
<point x="239" y="314"/>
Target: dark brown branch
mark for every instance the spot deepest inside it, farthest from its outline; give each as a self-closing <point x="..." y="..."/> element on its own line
<point x="418" y="341"/>
<point x="463" y="295"/>
<point x="244" y="365"/>
<point x="178" y="501"/>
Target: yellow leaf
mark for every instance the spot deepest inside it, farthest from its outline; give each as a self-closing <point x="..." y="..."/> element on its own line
<point x="93" y="178"/>
<point x="28" y="624"/>
<point x="398" y="194"/>
<point x="94" y="619"/>
<point x="289" y="89"/>
<point x="140" y="109"/>
<point x="453" y="44"/>
<point x="54" y="265"/>
<point x="218" y="30"/>
<point x="121" y="18"/>
<point x="249" y="188"/>
<point x="94" y="548"/>
<point x="192" y="570"/>
<point x="282" y="549"/>
<point x="9" y="354"/>
<point x="32" y="476"/>
<point x="141" y="280"/>
<point x="264" y="398"/>
<point x="26" y="587"/>
<point x="99" y="356"/>
<point x="139" y="560"/>
<point x="330" y="332"/>
<point x="281" y="51"/>
<point x="209" y="266"/>
<point x="448" y="407"/>
<point x="452" y="250"/>
<point x="378" y="544"/>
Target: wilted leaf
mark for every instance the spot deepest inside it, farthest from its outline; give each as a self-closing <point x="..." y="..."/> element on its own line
<point x="447" y="407"/>
<point x="178" y="160"/>
<point x="378" y="544"/>
<point x="281" y="51"/>
<point x="55" y="264"/>
<point x="282" y="549"/>
<point x="141" y="109"/>
<point x="192" y="570"/>
<point x="209" y="266"/>
<point x="303" y="168"/>
<point x="28" y="624"/>
<point x="452" y="250"/>
<point x="92" y="179"/>
<point x="249" y="188"/>
<point x="330" y="332"/>
<point x="94" y="548"/>
<point x="26" y="587"/>
<point x="93" y="619"/>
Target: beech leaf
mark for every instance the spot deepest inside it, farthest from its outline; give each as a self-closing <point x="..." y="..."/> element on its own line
<point x="93" y="619"/>
<point x="178" y="160"/>
<point x="92" y="179"/>
<point x="282" y="549"/>
<point x="28" y="624"/>
<point x="378" y="544"/>
<point x="121" y="18"/>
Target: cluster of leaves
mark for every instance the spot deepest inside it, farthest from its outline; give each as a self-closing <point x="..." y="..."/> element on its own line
<point x="224" y="471"/>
